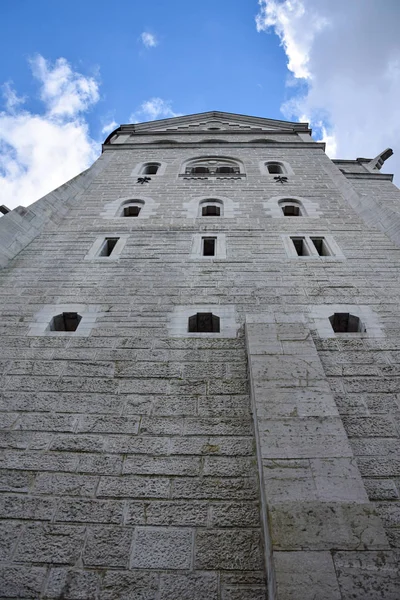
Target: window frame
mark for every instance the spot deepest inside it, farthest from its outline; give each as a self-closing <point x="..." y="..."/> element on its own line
<point x="211" y="202"/>
<point x="310" y="250"/>
<point x="198" y="245"/>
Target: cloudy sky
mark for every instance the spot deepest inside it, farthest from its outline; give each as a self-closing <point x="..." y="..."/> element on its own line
<point x="72" y="71"/>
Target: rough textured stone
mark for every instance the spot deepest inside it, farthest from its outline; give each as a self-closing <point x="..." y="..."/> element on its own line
<point x="135" y="463"/>
<point x="157" y="548"/>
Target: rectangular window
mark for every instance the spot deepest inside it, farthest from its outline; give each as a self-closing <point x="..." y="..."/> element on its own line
<point x="300" y="246"/>
<point x="211" y="211"/>
<point x="312" y="246"/>
<point x="204" y="323"/>
<point x="321" y="246"/>
<point x="108" y="246"/>
<point x="209" y="246"/>
<point x="131" y="211"/>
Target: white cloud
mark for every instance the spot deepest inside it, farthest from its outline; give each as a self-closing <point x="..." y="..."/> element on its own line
<point x="12" y="100"/>
<point x="155" y="108"/>
<point x="108" y="127"/>
<point x="39" y="152"/>
<point x="148" y="39"/>
<point x="348" y="55"/>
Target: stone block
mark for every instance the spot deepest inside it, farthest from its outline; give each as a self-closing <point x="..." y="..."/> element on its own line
<point x="228" y="549"/>
<point x="201" y="586"/>
<point x="176" y="514"/>
<point x="211" y="445"/>
<point x="226" y="488"/>
<point x="235" y="514"/>
<point x="158" y="548"/>
<point x="26" y="507"/>
<point x="89" y="511"/>
<point x="303" y="438"/>
<point x="325" y="526"/>
<point x="222" y="466"/>
<point x="21" y="581"/>
<point x="57" y="544"/>
<point x="9" y="533"/>
<point x="311" y="572"/>
<point x="125" y="585"/>
<point x="72" y="584"/>
<point x="166" y="465"/>
<point x="368" y="575"/>
<point x="130" y="486"/>
<point x="107" y="546"/>
<point x="65" y="484"/>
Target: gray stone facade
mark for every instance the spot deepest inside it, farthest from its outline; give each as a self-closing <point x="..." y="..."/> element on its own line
<point x="143" y="462"/>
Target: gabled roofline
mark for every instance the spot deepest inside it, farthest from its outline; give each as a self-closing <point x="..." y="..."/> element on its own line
<point x="145" y="125"/>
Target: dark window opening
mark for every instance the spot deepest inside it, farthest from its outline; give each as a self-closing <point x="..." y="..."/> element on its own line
<point x="108" y="246"/>
<point x="132" y="211"/>
<point x="209" y="246"/>
<point x="291" y="211"/>
<point x="225" y="170"/>
<point x="66" y="321"/>
<point x="300" y="246"/>
<point x="204" y="323"/>
<point x="274" y="169"/>
<point x="211" y="211"/>
<point x="320" y="246"/>
<point x="200" y="170"/>
<point x="150" y="169"/>
<point x="346" y="323"/>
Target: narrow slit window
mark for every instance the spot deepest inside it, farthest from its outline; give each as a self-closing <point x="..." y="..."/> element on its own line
<point x="108" y="246"/>
<point x="209" y="246"/>
<point x="290" y="210"/>
<point x="132" y="211"/>
<point x="346" y="323"/>
<point x="66" y="321"/>
<point x="300" y="246"/>
<point x="321" y="246"/>
<point x="210" y="211"/>
<point x="204" y="323"/>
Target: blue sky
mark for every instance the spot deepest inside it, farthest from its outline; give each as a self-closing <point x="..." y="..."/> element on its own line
<point x="73" y="70"/>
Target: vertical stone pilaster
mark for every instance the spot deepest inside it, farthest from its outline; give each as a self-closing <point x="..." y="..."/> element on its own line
<point x="313" y="497"/>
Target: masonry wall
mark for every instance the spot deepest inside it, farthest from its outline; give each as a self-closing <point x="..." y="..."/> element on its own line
<point x="130" y="458"/>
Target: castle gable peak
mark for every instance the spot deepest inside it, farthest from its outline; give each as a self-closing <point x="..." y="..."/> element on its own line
<point x="214" y="122"/>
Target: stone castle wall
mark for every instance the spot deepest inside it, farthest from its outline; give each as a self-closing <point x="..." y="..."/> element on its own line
<point x="135" y="460"/>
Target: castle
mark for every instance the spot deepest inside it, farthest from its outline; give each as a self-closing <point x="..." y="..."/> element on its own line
<point x="200" y="369"/>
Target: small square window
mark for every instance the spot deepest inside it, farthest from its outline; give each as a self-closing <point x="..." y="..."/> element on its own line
<point x="290" y="210"/>
<point x="204" y="323"/>
<point x="132" y="211"/>
<point x="211" y="211"/>
<point x="66" y="321"/>
<point x="346" y="323"/>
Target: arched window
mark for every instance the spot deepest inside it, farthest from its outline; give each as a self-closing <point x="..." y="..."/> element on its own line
<point x="150" y="168"/>
<point x="346" y="323"/>
<point x="131" y="208"/>
<point x="213" y="166"/>
<point x="211" y="208"/>
<point x="292" y="208"/>
<point x="66" y="321"/>
<point x="275" y="168"/>
<point x="204" y="323"/>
